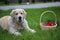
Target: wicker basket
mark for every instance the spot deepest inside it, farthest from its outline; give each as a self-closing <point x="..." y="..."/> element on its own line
<point x="48" y="27"/>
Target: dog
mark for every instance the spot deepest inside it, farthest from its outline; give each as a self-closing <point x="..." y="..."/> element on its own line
<point x="15" y="21"/>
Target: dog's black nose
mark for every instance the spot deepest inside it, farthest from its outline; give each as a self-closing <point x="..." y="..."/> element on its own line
<point x="19" y="18"/>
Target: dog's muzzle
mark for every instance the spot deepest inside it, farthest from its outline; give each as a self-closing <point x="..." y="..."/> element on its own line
<point x="20" y="18"/>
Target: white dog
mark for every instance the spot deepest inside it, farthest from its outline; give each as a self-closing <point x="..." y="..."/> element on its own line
<point x="15" y="21"/>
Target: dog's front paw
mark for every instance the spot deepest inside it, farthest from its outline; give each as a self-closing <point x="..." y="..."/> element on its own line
<point x="17" y="33"/>
<point x="33" y="31"/>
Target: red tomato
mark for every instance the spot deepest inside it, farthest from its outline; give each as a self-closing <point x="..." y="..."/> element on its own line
<point x="52" y="24"/>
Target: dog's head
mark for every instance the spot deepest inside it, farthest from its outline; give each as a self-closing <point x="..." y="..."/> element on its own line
<point x="18" y="14"/>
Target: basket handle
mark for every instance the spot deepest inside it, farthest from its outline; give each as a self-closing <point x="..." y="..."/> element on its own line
<point x="46" y="12"/>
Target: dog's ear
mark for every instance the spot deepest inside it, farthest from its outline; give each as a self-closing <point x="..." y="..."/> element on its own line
<point x="12" y="13"/>
<point x="24" y="13"/>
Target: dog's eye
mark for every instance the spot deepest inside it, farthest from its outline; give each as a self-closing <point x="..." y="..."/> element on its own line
<point x="21" y="13"/>
<point x="16" y="13"/>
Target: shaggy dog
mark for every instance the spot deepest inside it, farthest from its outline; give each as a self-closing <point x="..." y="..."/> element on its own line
<point x="15" y="21"/>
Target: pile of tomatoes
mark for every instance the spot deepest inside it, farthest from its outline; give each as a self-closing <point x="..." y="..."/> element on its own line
<point x="49" y="24"/>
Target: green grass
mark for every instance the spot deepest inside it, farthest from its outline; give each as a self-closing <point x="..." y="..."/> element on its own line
<point x="33" y="18"/>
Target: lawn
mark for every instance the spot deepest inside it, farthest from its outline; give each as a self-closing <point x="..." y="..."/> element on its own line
<point x="33" y="18"/>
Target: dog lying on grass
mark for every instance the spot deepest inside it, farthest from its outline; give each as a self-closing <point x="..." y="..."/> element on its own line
<point x="15" y="21"/>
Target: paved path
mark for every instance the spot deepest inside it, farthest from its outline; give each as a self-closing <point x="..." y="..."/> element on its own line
<point x="41" y="5"/>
